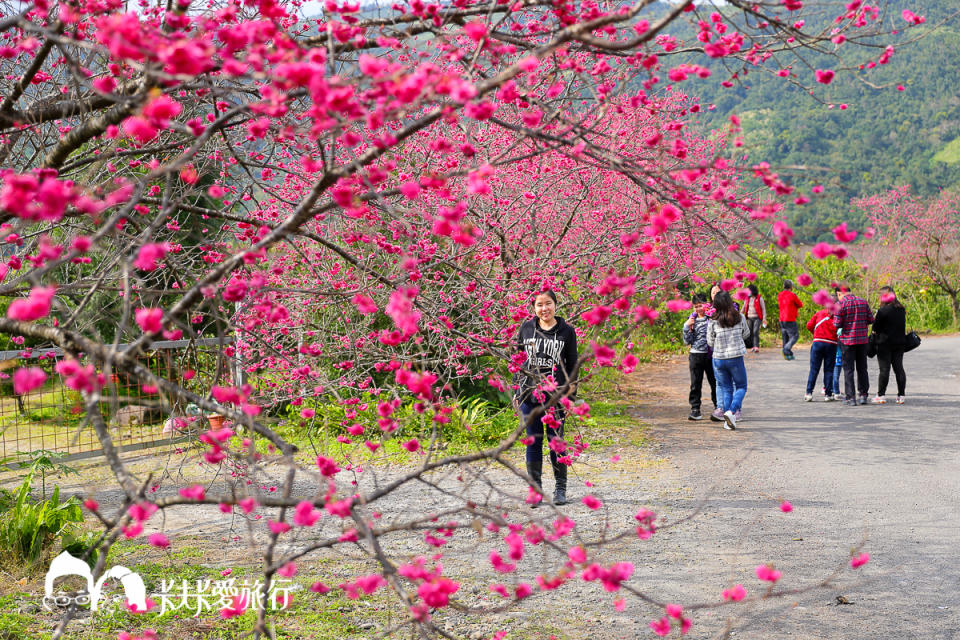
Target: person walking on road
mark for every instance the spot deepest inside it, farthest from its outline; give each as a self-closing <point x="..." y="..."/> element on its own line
<point x="852" y="319"/>
<point x="756" y="316"/>
<point x="823" y="352"/>
<point x="789" y="305"/>
<point x="725" y="334"/>
<point x="890" y="331"/>
<point x="701" y="362"/>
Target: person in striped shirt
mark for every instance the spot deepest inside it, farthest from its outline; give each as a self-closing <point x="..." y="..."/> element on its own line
<point x="725" y="334"/>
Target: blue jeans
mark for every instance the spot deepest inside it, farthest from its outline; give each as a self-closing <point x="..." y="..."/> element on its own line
<point x="837" y="370"/>
<point x="731" y="377"/>
<point x="534" y="453"/>
<point x="790" y="334"/>
<point x="821" y="353"/>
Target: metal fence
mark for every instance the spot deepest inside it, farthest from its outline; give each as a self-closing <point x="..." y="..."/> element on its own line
<point x="52" y="418"/>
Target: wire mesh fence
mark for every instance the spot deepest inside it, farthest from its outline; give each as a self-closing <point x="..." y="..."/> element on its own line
<point x="52" y="418"/>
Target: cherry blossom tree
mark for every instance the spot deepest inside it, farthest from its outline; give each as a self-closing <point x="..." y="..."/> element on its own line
<point x="363" y="202"/>
<point x="926" y="234"/>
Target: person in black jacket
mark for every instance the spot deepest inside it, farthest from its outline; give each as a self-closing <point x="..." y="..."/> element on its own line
<point x="890" y="331"/>
<point x="550" y="345"/>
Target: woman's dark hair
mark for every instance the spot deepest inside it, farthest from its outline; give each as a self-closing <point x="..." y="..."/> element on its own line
<point x="546" y="292"/>
<point x="895" y="302"/>
<point x="724" y="311"/>
<point x="753" y="290"/>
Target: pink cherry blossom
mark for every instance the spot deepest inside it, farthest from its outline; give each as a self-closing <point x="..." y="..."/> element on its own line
<point x="437" y="592"/>
<point x="603" y="354"/>
<point x="859" y="560"/>
<point x="661" y="627"/>
<point x="158" y="540"/>
<point x="767" y="573"/>
<point x="35" y="306"/>
<point x="195" y="492"/>
<point x="364" y="304"/>
<point x="148" y="255"/>
<point x="238" y="605"/>
<point x="735" y="593"/>
<point x="305" y="515"/>
<point x="27" y="379"/>
<point x="591" y="502"/>
<point x="823" y="298"/>
<point x="577" y="555"/>
<point x="149" y="320"/>
<point x="842" y="234"/>
<point x="401" y="309"/>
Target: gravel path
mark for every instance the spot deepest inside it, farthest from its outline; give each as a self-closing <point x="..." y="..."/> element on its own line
<point x="885" y="477"/>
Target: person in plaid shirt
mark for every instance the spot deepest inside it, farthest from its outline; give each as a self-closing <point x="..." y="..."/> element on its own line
<point x="852" y="319"/>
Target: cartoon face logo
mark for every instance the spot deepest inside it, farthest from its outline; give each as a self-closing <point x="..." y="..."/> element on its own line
<point x="67" y="565"/>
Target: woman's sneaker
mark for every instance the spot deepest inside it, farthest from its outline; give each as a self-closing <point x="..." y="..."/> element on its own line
<point x="830" y="398"/>
<point x="729" y="420"/>
<point x="717" y="415"/>
<point x="901" y="399"/>
<point x="808" y="397"/>
<point x="879" y="400"/>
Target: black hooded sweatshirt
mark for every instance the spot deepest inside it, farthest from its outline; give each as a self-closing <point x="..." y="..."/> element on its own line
<point x="549" y="352"/>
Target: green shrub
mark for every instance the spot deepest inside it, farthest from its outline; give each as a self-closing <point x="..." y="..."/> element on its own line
<point x="28" y="527"/>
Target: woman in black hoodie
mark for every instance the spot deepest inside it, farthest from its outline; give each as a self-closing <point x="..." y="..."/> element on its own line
<point x="550" y="345"/>
<point x="890" y="329"/>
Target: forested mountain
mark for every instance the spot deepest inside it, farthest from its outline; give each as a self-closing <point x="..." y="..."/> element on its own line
<point x="884" y="138"/>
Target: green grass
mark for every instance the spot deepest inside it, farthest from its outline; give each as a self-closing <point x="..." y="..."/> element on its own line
<point x="950" y="154"/>
<point x="16" y="626"/>
<point x="610" y="423"/>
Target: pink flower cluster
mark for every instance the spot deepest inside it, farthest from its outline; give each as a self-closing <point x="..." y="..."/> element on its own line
<point x="35" y="306"/>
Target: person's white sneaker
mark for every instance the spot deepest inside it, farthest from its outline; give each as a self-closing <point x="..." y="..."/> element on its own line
<point x="729" y="421"/>
<point x="880" y="400"/>
<point x="808" y="397"/>
<point x="901" y="399"/>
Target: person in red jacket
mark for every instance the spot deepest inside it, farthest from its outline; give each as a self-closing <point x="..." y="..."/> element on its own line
<point x="823" y="352"/>
<point x="755" y="311"/>
<point x="789" y="305"/>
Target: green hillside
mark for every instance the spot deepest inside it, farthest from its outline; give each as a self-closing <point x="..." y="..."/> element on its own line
<point x="884" y="138"/>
